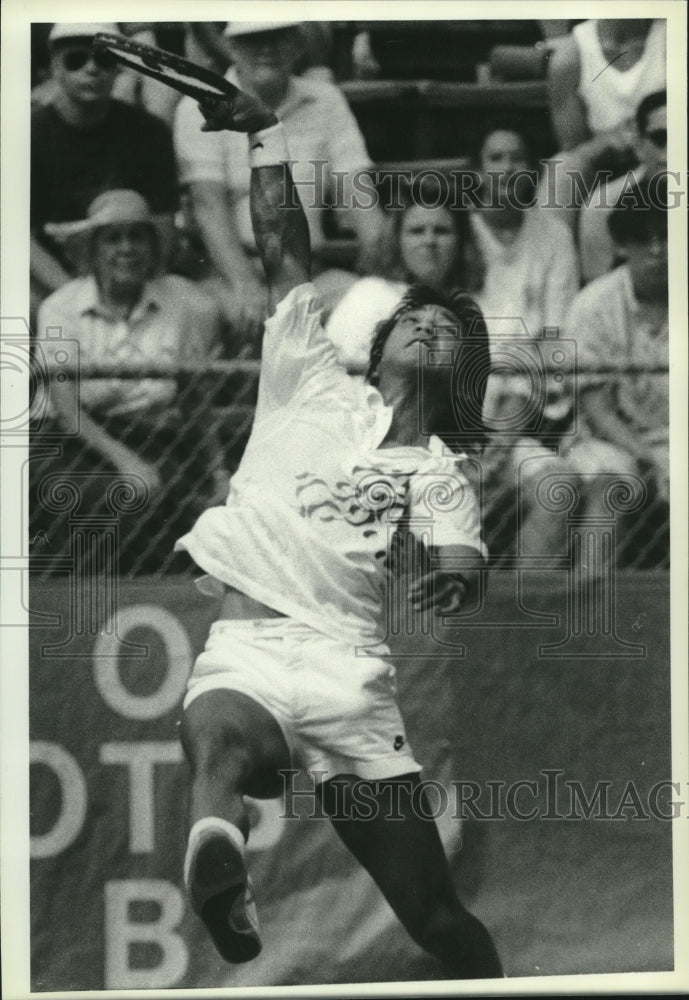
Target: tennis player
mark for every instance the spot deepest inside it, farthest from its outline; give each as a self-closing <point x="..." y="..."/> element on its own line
<point x="300" y="555"/>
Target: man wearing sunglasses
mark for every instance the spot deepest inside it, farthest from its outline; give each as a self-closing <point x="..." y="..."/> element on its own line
<point x="84" y="142"/>
<point x="597" y="249"/>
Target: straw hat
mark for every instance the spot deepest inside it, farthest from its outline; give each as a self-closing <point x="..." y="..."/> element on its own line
<point x="109" y="208"/>
<point x="236" y="28"/>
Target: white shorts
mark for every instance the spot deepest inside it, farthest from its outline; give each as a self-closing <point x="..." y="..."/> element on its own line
<point x="337" y="710"/>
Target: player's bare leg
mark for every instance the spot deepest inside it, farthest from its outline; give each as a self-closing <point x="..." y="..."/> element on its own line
<point x="234" y="748"/>
<point x="405" y="857"/>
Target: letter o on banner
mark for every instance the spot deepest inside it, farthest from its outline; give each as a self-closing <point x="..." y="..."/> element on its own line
<point x="178" y="661"/>
<point x="74" y="800"/>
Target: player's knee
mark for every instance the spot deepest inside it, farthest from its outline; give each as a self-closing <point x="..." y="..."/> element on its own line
<point x="220" y="747"/>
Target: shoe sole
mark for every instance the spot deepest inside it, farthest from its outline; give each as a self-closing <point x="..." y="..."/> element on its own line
<point x="218" y="886"/>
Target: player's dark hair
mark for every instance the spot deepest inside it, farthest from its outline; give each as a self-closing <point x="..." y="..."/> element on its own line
<point x="640" y="212"/>
<point x="658" y="99"/>
<point x="459" y="418"/>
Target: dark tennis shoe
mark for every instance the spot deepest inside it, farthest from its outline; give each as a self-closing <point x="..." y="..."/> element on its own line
<point x="221" y="893"/>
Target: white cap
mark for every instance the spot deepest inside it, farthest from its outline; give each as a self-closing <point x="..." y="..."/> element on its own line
<point x="354" y="319"/>
<point x="235" y="28"/>
<point x="72" y="30"/>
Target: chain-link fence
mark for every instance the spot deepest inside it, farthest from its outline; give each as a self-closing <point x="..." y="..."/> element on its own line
<point x="129" y="490"/>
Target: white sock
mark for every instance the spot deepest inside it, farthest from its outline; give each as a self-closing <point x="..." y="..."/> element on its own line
<point x="218" y="825"/>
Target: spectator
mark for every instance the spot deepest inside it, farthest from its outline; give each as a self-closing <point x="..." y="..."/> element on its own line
<point x="84" y="142"/>
<point x="122" y="315"/>
<point x="527" y="275"/>
<point x="527" y="259"/>
<point x="431" y="246"/>
<point x="622" y="317"/>
<point x="130" y="86"/>
<point x="597" y="77"/>
<point x="208" y="45"/>
<point x="595" y="242"/>
<point x="319" y="127"/>
<point x="428" y="247"/>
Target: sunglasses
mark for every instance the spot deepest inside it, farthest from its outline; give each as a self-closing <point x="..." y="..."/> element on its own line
<point x="76" y="59"/>
<point x="658" y="137"/>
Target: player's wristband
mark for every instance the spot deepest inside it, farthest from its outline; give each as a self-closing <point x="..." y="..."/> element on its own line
<point x="268" y="148"/>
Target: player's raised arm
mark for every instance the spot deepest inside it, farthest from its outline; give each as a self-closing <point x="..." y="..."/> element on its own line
<point x="279" y="224"/>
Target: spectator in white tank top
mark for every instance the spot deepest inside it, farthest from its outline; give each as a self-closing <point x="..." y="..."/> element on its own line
<point x="597" y="78"/>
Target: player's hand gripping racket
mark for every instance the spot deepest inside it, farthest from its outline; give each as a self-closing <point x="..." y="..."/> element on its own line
<point x="224" y="106"/>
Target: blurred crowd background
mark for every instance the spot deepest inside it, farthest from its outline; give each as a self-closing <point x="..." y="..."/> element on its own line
<point x="142" y="255"/>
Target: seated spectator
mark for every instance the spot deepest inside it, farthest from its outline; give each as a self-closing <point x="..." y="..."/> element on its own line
<point x="597" y="249"/>
<point x="323" y="136"/>
<point x="428" y="247"/>
<point x="208" y="46"/>
<point x="84" y="142"/>
<point x="597" y="77"/>
<point x="123" y="315"/>
<point x="526" y="274"/>
<point x="527" y="266"/>
<point x="622" y="318"/>
<point x="130" y="86"/>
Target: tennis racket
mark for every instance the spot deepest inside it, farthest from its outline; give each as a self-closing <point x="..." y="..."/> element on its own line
<point x="172" y="70"/>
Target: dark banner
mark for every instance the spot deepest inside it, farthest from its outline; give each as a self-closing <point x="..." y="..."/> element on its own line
<point x="548" y="749"/>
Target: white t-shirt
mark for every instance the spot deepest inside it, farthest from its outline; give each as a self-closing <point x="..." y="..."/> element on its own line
<point x="611" y="326"/>
<point x="528" y="285"/>
<point x="315" y="501"/>
<point x="530" y="282"/>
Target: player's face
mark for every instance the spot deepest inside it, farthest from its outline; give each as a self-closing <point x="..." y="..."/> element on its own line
<point x="653" y="141"/>
<point x="86" y="77"/>
<point x="123" y="253"/>
<point x="428" y="245"/>
<point x="425" y="326"/>
<point x="264" y="58"/>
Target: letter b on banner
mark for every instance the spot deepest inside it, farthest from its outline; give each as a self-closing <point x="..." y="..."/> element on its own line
<point x="122" y="931"/>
